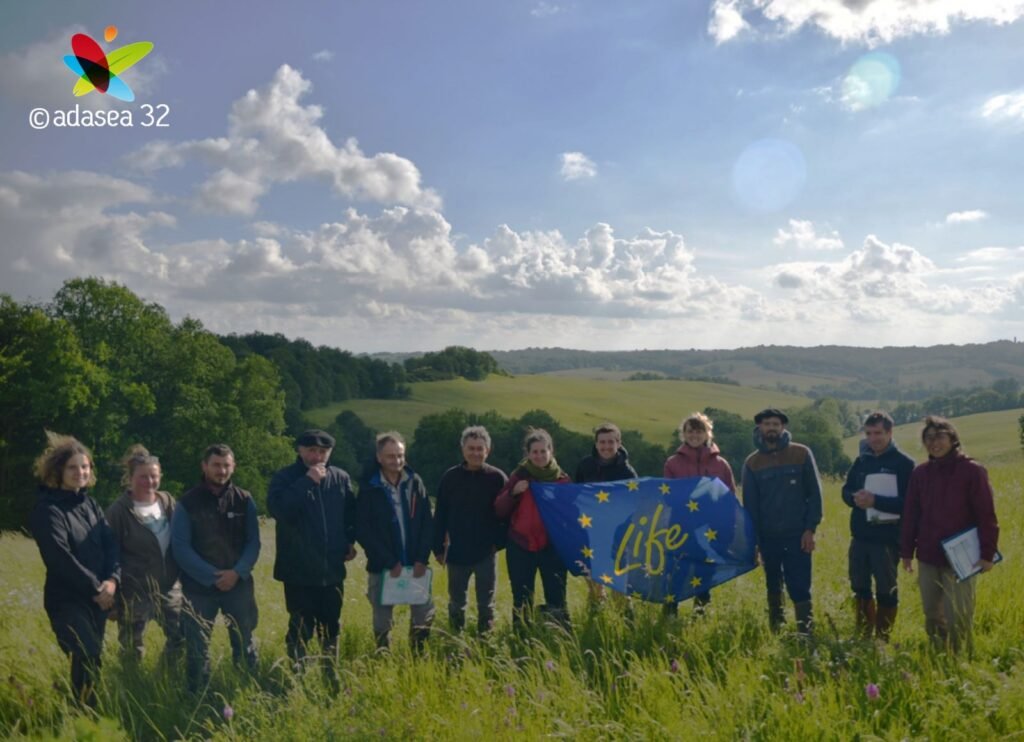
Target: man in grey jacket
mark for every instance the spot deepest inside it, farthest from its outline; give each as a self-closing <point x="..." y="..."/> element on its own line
<point x="782" y="493"/>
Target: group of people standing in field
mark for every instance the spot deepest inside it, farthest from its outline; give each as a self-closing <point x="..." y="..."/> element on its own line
<point x="181" y="563"/>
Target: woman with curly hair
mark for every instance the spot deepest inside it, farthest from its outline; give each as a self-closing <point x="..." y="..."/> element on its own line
<point x="81" y="558"/>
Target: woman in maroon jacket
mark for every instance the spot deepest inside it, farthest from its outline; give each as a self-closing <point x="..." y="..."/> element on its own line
<point x="529" y="549"/>
<point x="947" y="494"/>
<point x="697" y="456"/>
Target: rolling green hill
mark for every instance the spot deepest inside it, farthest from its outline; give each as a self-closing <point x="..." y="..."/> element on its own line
<point x="990" y="437"/>
<point x="652" y="407"/>
<point x="838" y="371"/>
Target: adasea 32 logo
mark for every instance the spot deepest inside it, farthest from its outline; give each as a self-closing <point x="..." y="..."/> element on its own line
<point x="99" y="72"/>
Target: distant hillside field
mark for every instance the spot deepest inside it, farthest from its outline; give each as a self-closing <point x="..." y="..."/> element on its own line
<point x="652" y="407"/>
<point x="842" y="371"/>
<point x="990" y="437"/>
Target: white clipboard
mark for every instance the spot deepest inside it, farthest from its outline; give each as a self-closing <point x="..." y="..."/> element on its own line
<point x="963" y="550"/>
<point x="405" y="589"/>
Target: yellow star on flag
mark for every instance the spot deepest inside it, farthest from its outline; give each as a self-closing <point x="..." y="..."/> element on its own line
<point x="584" y="521"/>
<point x="587" y="552"/>
<point x="602" y="496"/>
<point x="665" y="489"/>
<point x="670" y="598"/>
<point x="694" y="507"/>
<point x="711" y="534"/>
<point x="632" y="485"/>
<point x="695" y="582"/>
<point x="606" y="579"/>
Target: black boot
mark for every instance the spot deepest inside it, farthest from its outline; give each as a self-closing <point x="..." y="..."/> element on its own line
<point x="804" y="617"/>
<point x="776" y="612"/>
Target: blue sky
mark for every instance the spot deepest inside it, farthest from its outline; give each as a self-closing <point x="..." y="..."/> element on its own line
<point x="404" y="176"/>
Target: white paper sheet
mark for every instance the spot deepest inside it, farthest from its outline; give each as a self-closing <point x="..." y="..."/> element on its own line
<point x="881" y="485"/>
<point x="405" y="589"/>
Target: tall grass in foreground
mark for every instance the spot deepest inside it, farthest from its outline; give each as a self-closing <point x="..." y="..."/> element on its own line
<point x="620" y="675"/>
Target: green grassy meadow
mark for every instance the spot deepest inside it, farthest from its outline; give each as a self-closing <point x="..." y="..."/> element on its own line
<point x="652" y="407"/>
<point x="723" y="676"/>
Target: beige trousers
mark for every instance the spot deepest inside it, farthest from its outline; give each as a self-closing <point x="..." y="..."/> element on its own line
<point x="948" y="606"/>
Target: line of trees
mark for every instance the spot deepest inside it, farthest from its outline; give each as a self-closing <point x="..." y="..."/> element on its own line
<point x="314" y="377"/>
<point x="99" y="363"/>
<point x="1003" y="394"/>
<point x="450" y="363"/>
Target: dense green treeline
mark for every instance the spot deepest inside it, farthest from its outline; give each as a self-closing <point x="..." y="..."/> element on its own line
<point x="1003" y="394"/>
<point x="313" y="377"/>
<point x="450" y="363"/>
<point x="99" y="363"/>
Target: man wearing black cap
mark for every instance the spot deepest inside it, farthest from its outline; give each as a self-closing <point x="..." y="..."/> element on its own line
<point x="315" y="511"/>
<point x="782" y="493"/>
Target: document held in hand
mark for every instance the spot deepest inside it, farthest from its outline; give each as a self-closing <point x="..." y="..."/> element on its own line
<point x="405" y="589"/>
<point x="963" y="550"/>
<point x="881" y="485"/>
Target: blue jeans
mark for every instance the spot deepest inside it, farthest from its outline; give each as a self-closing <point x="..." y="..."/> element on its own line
<point x="201" y="608"/>
<point x="785" y="561"/>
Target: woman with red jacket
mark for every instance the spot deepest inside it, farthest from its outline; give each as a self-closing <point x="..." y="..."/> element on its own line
<point x="947" y="494"/>
<point x="697" y="456"/>
<point x="529" y="548"/>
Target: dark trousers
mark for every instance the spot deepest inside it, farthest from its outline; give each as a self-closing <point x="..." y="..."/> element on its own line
<point x="79" y="626"/>
<point x="202" y="606"/>
<point x="874" y="561"/>
<point x="136" y="611"/>
<point x="312" y="609"/>
<point x="486" y="574"/>
<point x="523" y="566"/>
<point x="785" y="561"/>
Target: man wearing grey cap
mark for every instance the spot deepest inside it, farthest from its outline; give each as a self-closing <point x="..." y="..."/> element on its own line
<point x="782" y="493"/>
<point x="315" y="510"/>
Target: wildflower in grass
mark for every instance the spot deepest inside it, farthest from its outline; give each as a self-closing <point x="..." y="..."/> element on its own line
<point x="510" y="690"/>
<point x="799" y="697"/>
<point x="674" y="666"/>
<point x="550" y="665"/>
<point x="228" y="712"/>
<point x="871" y="691"/>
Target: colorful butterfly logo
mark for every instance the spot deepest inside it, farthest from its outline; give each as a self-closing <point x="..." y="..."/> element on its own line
<point x="99" y="71"/>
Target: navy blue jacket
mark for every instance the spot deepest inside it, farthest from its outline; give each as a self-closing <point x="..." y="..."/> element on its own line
<point x="377" y="528"/>
<point x="593" y="469"/>
<point x="316" y="525"/>
<point x="890" y="461"/>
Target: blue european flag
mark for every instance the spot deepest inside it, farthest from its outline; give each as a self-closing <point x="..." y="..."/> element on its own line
<point x="662" y="540"/>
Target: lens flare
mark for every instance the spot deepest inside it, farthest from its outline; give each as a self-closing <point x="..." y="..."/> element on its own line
<point x="109" y="33"/>
<point x="871" y="81"/>
<point x="768" y="175"/>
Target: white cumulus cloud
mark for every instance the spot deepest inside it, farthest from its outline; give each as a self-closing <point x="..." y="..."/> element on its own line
<point x="1004" y="107"/>
<point x="274" y="138"/>
<point x="802" y="235"/>
<point x="861" y="21"/>
<point x="965" y="217"/>
<point x="576" y="165"/>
